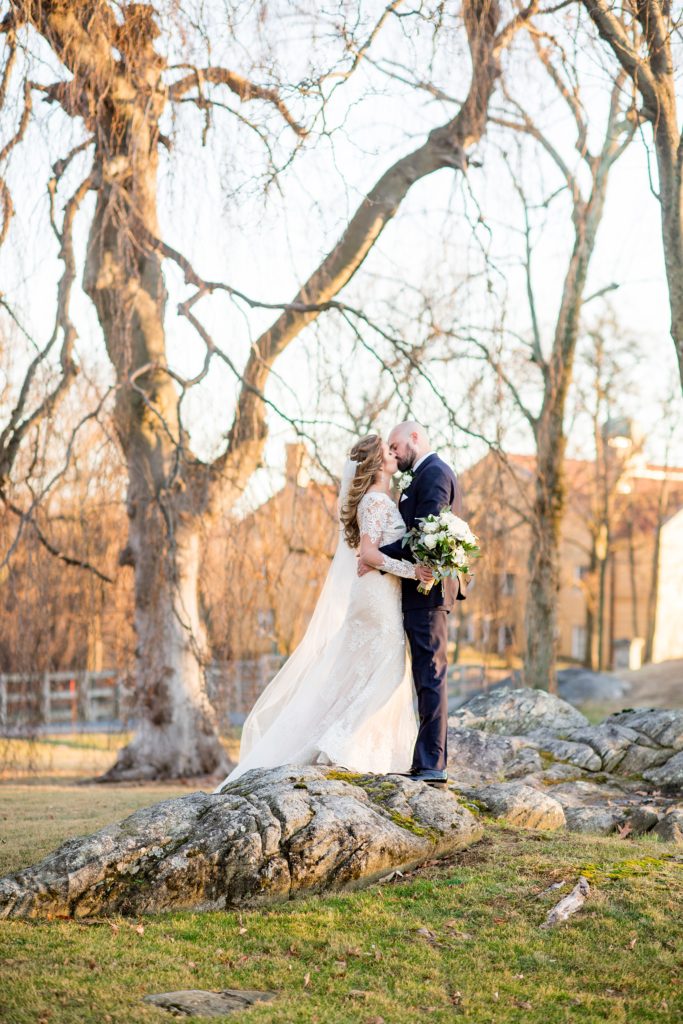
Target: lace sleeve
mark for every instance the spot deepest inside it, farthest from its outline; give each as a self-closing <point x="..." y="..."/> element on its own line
<point x="399" y="567"/>
<point x="372" y="513"/>
<point x="373" y="517"/>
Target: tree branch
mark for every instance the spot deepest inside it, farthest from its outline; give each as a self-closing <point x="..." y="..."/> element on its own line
<point x="238" y="84"/>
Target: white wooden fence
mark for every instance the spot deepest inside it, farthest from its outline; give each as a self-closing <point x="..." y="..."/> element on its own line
<point x="98" y="698"/>
<point x="57" y="698"/>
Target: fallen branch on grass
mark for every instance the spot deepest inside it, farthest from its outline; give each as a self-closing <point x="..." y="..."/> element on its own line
<point x="569" y="905"/>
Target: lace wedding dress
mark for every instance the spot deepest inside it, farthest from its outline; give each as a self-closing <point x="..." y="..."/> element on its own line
<point x="345" y="696"/>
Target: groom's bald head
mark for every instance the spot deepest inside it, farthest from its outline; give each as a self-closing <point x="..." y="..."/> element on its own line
<point x="408" y="441"/>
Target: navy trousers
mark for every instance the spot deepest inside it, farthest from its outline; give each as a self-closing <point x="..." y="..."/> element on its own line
<point x="427" y="631"/>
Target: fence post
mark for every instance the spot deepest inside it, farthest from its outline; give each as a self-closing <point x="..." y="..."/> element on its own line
<point x="3" y="701"/>
<point x="47" y="706"/>
<point x="73" y="693"/>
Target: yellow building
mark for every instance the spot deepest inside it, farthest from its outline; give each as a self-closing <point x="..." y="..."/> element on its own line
<point x="621" y="569"/>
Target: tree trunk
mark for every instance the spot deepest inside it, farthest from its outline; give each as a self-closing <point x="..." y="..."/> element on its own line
<point x="549" y="499"/>
<point x="669" y="150"/>
<point x="653" y="74"/>
<point x="167" y="495"/>
<point x="589" y="653"/>
<point x="544" y="569"/>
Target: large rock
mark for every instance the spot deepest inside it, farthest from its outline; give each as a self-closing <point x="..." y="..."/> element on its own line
<point x="195" y="1002"/>
<point x="582" y="686"/>
<point x="586" y="793"/>
<point x="271" y="835"/>
<point x="478" y="754"/>
<point x="475" y="757"/>
<point x="609" y="741"/>
<point x="517" y="712"/>
<point x="595" y="820"/>
<point x="657" y="727"/>
<point x="600" y="774"/>
<point x="521" y="805"/>
<point x="670" y="775"/>
<point x="643" y="819"/>
<point x="581" y="755"/>
<point x="670" y="827"/>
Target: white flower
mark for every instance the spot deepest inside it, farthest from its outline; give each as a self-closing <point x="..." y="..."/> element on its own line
<point x="430" y="527"/>
<point x="430" y="541"/>
<point x="404" y="481"/>
<point x="459" y="529"/>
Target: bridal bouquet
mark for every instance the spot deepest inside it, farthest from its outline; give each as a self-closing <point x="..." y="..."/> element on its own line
<point x="444" y="543"/>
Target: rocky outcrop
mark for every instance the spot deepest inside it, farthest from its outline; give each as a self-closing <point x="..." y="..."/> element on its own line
<point x="200" y="1003"/>
<point x="669" y="776"/>
<point x="670" y="826"/>
<point x="271" y="835"/>
<point x="517" y="712"/>
<point x="600" y="774"/>
<point x="521" y="805"/>
<point x="475" y="757"/>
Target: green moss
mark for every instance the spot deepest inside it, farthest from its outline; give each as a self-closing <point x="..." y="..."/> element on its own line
<point x="410" y="825"/>
<point x="625" y="869"/>
<point x="380" y="793"/>
<point x="353" y="777"/>
<point x="475" y="807"/>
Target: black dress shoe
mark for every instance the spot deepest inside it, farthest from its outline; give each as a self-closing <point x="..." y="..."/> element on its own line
<point x="432" y="776"/>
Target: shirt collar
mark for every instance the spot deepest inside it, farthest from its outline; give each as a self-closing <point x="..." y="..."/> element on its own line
<point x="420" y="461"/>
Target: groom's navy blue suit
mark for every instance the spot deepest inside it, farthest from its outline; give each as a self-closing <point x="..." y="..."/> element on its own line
<point x="434" y="485"/>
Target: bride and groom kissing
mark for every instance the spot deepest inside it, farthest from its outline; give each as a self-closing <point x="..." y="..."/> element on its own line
<point x="345" y="695"/>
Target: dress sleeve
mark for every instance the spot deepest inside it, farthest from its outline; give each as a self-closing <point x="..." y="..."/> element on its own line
<point x="399" y="567"/>
<point x="372" y="517"/>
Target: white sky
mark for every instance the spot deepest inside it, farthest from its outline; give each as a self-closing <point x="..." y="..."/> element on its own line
<point x="213" y="210"/>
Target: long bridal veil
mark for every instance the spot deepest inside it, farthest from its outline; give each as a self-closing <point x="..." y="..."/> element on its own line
<point x="325" y="622"/>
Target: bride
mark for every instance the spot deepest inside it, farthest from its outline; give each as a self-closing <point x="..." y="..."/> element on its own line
<point x="345" y="696"/>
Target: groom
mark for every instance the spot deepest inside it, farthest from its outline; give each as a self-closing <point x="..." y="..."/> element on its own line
<point x="433" y="484"/>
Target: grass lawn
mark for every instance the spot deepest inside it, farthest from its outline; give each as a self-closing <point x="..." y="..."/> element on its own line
<point x="457" y="939"/>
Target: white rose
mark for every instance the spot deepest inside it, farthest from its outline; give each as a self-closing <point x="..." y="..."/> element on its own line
<point x="430" y="541"/>
<point x="430" y="527"/>
<point x="458" y="527"/>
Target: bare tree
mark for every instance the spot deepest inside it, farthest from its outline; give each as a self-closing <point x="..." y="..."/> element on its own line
<point x="552" y="358"/>
<point x="639" y="34"/>
<point x="604" y="394"/>
<point x="118" y="83"/>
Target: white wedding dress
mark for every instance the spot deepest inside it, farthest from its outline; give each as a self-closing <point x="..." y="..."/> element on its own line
<point x="345" y="696"/>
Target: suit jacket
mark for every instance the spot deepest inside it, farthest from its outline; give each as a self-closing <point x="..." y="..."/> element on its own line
<point x="433" y="486"/>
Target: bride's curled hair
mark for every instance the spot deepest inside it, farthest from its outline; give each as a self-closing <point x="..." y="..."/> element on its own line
<point x="369" y="455"/>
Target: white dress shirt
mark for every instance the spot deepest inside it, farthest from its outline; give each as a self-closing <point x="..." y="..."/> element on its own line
<point x="420" y="460"/>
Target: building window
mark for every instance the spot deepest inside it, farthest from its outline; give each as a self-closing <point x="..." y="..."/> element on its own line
<point x="508" y="584"/>
<point x="578" y="643"/>
<point x="579" y="573"/>
<point x="506" y="638"/>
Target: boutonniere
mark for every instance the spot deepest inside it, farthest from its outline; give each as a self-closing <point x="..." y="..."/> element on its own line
<point x="405" y="480"/>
